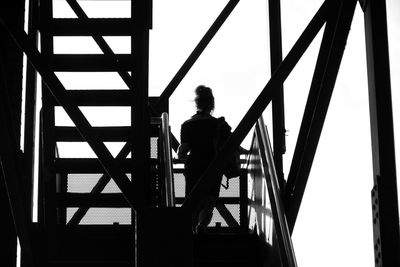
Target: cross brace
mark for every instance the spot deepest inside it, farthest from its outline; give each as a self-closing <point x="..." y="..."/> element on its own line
<point x="259" y="105"/>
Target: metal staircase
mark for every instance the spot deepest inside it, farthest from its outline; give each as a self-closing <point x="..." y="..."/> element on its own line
<point x="78" y="199"/>
<point x="151" y="231"/>
<point x="84" y="218"/>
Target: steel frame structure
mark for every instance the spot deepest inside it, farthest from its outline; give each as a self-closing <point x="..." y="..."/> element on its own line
<point x="335" y="15"/>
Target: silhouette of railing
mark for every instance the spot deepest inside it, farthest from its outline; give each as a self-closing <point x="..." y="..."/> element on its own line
<point x="169" y="197"/>
<point x="267" y="218"/>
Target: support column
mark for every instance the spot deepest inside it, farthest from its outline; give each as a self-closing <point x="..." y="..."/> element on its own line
<point x="11" y="88"/>
<point x="278" y="107"/>
<point x="141" y="14"/>
<point x="384" y="193"/>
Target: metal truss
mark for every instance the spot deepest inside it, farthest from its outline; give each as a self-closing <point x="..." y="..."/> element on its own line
<point x="336" y="16"/>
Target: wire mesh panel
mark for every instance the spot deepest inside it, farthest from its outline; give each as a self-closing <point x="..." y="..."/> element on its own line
<point x="229" y="197"/>
<point x="83" y="184"/>
<point x="101" y="216"/>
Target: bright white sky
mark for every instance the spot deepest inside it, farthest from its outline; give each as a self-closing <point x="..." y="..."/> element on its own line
<point x="334" y="226"/>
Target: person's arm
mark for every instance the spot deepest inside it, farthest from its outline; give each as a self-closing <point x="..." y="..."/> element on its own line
<point x="183" y="150"/>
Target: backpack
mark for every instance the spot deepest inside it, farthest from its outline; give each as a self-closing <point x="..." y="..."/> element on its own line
<point x="232" y="167"/>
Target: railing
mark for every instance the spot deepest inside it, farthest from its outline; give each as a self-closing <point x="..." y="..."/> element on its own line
<point x="266" y="181"/>
<point x="167" y="162"/>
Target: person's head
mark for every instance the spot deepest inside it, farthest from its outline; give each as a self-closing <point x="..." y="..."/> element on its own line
<point x="204" y="99"/>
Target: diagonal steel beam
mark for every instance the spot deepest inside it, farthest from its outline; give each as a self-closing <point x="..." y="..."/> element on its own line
<point x="227" y="215"/>
<point x="99" y="187"/>
<point x="259" y="104"/>
<point x="98" y="38"/>
<point x="198" y="50"/>
<point x="85" y="129"/>
<point x="326" y="70"/>
<point x="106" y="49"/>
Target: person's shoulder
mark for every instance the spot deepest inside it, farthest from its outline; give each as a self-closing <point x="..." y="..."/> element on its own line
<point x="224" y="123"/>
<point x="189" y="120"/>
<point x="198" y="119"/>
<point x="222" y="120"/>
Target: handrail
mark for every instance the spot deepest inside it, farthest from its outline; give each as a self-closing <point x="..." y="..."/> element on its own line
<point x="167" y="161"/>
<point x="284" y="240"/>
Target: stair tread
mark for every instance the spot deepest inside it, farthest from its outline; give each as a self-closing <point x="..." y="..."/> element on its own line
<point x="87" y="165"/>
<point x="91" y="62"/>
<point x="102" y="200"/>
<point x="90" y="263"/>
<point x="91" y="165"/>
<point x="104" y="26"/>
<point x="113" y="97"/>
<point x="106" y="134"/>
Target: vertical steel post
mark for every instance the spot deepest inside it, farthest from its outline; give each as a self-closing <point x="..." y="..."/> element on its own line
<point x="384" y="194"/>
<point x="48" y="116"/>
<point x="10" y="87"/>
<point x="140" y="115"/>
<point x="278" y="107"/>
<point x="30" y="105"/>
<point x="141" y="16"/>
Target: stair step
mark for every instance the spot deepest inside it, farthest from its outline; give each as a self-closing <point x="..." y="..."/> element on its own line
<point x="106" y="134"/>
<point x="227" y="250"/>
<point x="83" y="62"/>
<point x="93" y="243"/>
<point x="112" y="97"/>
<point x="69" y="263"/>
<point x="226" y="263"/>
<point x="102" y="26"/>
<point x="73" y="245"/>
<point x="103" y="200"/>
<point x="85" y="165"/>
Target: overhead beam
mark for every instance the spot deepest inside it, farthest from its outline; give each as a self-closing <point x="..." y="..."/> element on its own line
<point x="326" y="70"/>
<point x="58" y="91"/>
<point x="384" y="194"/>
<point x="259" y="105"/>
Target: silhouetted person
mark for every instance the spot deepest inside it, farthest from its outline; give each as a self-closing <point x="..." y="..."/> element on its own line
<point x="198" y="137"/>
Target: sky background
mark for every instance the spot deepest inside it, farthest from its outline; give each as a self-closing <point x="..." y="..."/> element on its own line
<point x="334" y="226"/>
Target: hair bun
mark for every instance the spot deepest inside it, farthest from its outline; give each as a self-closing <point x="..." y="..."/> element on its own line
<point x="204" y="98"/>
<point x="202" y="90"/>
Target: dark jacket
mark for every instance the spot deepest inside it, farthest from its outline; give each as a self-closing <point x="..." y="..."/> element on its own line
<point x="200" y="133"/>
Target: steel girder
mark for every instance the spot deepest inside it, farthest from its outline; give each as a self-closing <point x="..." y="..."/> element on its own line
<point x="384" y="194"/>
<point x="261" y="102"/>
<point x="326" y="70"/>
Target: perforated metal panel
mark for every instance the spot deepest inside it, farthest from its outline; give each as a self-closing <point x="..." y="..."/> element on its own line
<point x="104" y="215"/>
<point x="233" y="191"/>
<point x="84" y="183"/>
